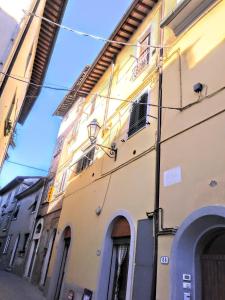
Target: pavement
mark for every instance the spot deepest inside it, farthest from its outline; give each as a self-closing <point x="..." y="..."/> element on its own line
<point x="13" y="287"/>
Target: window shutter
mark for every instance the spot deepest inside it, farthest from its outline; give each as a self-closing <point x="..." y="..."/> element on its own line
<point x="85" y="161"/>
<point x="143" y="272"/>
<point x="138" y="114"/>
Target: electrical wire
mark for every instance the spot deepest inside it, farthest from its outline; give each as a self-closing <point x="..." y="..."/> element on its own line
<point x="85" y="34"/>
<point x="27" y="166"/>
<point x="91" y="94"/>
<point x="37" y="85"/>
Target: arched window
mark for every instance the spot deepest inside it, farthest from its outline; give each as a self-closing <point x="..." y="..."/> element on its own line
<point x="119" y="260"/>
<point x="38" y="229"/>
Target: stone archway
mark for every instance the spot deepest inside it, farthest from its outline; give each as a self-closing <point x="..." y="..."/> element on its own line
<point x="33" y="249"/>
<point x="187" y="248"/>
<point x="105" y="268"/>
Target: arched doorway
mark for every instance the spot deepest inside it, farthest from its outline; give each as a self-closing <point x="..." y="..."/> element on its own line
<point x="116" y="271"/>
<point x="119" y="259"/>
<point x="194" y="252"/>
<point x="64" y="254"/>
<point x="213" y="266"/>
<point x="47" y="258"/>
<point x="33" y="249"/>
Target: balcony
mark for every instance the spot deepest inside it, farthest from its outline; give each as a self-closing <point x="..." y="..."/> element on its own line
<point x="141" y="64"/>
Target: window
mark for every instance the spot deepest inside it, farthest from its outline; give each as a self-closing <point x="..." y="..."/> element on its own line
<point x="8" y="200"/>
<point x="6" y="222"/>
<point x="38" y="228"/>
<point x="93" y="101"/>
<point x="138" y="117"/>
<point x="25" y="242"/>
<point x="85" y="161"/>
<point x="8" y="239"/>
<point x="59" y="145"/>
<point x="29" y="58"/>
<point x="33" y="206"/>
<point x="8" y="122"/>
<point x="63" y="181"/>
<point x="15" y="214"/>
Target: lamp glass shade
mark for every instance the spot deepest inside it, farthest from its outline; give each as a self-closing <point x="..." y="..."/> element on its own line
<point x="93" y="130"/>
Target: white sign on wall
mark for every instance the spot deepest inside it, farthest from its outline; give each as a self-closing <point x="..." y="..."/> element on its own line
<point x="172" y="176"/>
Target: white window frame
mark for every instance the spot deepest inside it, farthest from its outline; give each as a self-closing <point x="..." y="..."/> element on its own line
<point x="85" y="155"/>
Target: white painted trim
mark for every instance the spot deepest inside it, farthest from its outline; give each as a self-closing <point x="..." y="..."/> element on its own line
<point x="103" y="279"/>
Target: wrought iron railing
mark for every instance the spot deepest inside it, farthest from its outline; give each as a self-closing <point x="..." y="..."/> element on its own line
<point x="141" y="63"/>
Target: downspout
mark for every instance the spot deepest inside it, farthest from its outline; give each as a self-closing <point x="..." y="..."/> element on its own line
<point x="157" y="180"/>
<point x="157" y="169"/>
<point x="157" y="214"/>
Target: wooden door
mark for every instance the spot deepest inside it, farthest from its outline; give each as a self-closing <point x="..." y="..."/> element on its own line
<point x="213" y="277"/>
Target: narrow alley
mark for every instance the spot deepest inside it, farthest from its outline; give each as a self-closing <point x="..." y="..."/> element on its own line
<point x="14" y="287"/>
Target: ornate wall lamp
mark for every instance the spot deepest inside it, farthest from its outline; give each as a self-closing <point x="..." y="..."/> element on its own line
<point x="93" y="131"/>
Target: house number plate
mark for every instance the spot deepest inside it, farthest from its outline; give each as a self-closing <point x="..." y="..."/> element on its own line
<point x="164" y="260"/>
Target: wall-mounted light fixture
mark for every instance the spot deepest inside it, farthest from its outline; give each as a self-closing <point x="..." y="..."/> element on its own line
<point x="93" y="131"/>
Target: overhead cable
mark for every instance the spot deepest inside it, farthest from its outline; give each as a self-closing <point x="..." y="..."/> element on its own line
<point x="99" y="38"/>
<point x="27" y="166"/>
<point x="91" y="94"/>
<point x="37" y="85"/>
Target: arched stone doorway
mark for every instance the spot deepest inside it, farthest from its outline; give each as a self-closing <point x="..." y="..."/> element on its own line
<point x="116" y="270"/>
<point x="62" y="262"/>
<point x="212" y="261"/>
<point x="191" y="246"/>
<point x="33" y="249"/>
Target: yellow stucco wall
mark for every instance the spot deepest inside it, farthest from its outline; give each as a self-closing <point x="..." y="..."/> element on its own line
<point x="192" y="139"/>
<point x="125" y="184"/>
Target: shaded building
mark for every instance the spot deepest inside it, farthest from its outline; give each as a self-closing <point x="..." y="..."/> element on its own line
<point x="22" y="227"/>
<point x="9" y="211"/>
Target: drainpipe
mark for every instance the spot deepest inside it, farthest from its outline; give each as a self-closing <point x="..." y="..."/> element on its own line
<point x="157" y="181"/>
<point x="157" y="214"/>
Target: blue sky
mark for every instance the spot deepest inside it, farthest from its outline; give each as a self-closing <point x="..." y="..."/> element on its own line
<point x="36" y="138"/>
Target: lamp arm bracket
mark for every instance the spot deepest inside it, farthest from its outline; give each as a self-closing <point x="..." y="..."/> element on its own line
<point x="112" y="153"/>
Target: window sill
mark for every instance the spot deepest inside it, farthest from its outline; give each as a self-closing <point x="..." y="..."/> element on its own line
<point x="184" y="14"/>
<point x="138" y="131"/>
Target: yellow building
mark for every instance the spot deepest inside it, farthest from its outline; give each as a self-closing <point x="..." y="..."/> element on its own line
<point x="141" y="168"/>
<point x="28" y="55"/>
<point x="192" y="153"/>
